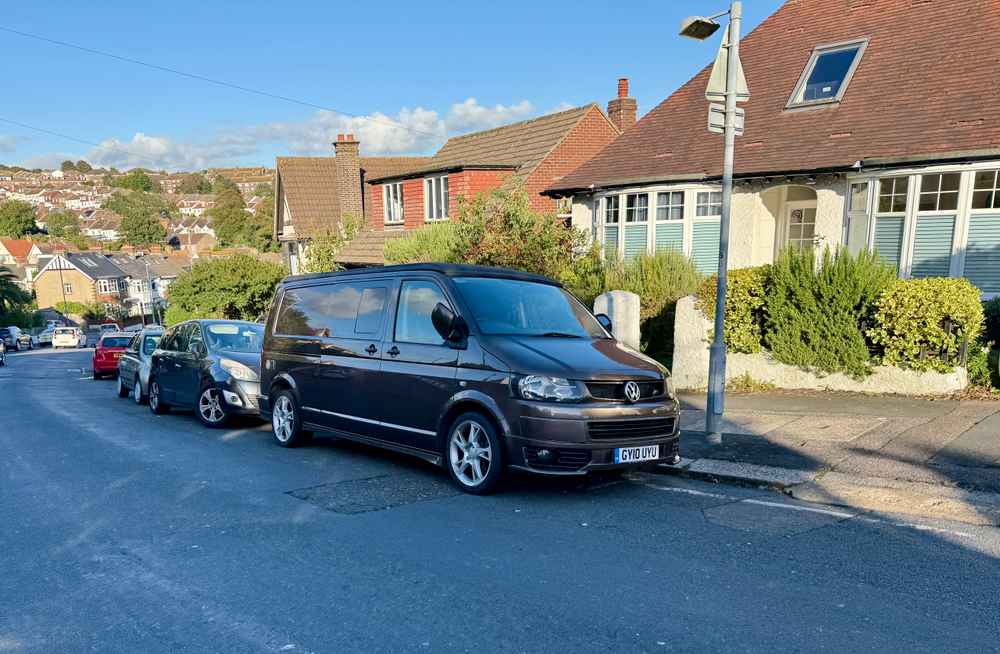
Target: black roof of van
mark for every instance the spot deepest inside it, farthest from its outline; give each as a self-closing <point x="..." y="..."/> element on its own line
<point x="449" y="269"/>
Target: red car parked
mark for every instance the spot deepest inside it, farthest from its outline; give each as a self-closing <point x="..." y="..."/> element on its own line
<point x="109" y="349"/>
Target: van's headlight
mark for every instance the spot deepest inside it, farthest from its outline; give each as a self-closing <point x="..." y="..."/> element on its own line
<point x="668" y="386"/>
<point x="552" y="389"/>
<point x="238" y="370"/>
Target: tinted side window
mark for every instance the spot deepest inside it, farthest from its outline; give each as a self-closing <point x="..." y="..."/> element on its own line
<point x="417" y="300"/>
<point x="193" y="336"/>
<point x="166" y="343"/>
<point x="370" y="310"/>
<point x="179" y="343"/>
<point x="330" y="310"/>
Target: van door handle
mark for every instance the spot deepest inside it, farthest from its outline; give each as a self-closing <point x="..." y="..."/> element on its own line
<point x="394" y="351"/>
<point x="371" y="349"/>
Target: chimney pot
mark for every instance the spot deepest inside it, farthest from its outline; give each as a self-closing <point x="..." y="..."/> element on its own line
<point x="350" y="137"/>
<point x="340" y="137"/>
<point x="622" y="109"/>
<point x="623" y="87"/>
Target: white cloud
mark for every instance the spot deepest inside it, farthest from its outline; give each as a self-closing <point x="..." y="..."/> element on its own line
<point x="8" y="143"/>
<point x="409" y="131"/>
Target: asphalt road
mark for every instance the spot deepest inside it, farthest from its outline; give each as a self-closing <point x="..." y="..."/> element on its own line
<point x="121" y="531"/>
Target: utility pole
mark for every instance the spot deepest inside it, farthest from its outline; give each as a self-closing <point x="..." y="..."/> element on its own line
<point x="733" y="89"/>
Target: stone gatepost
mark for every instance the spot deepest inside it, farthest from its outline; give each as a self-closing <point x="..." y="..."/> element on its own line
<point x="623" y="309"/>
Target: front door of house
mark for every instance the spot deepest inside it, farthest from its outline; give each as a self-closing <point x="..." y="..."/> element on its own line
<point x="799" y="226"/>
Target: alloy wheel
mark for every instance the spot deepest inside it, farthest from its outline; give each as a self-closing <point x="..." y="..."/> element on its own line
<point x="210" y="405"/>
<point x="470" y="453"/>
<point x="283" y="419"/>
<point x="154" y="396"/>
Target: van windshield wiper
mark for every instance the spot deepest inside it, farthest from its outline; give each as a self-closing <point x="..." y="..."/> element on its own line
<point x="559" y="335"/>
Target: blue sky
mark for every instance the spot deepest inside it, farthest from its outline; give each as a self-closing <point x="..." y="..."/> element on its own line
<point x="438" y="68"/>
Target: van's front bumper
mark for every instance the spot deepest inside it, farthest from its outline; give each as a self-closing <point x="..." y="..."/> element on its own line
<point x="556" y="439"/>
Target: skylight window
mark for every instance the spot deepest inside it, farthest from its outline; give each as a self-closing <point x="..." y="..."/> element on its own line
<point x="827" y="74"/>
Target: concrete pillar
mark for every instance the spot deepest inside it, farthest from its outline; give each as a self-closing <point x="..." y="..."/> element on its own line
<point x="623" y="309"/>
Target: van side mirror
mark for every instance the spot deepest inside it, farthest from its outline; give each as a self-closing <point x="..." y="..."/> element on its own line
<point x="605" y="322"/>
<point x="449" y="325"/>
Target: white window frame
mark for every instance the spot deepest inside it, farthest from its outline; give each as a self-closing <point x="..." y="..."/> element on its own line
<point x="104" y="286"/>
<point x="437" y="196"/>
<point x="669" y="206"/>
<point x="392" y="204"/>
<point x="688" y="220"/>
<point x="67" y="288"/>
<point x="795" y="101"/>
<point x="962" y="214"/>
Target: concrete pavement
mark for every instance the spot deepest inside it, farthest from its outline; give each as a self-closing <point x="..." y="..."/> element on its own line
<point x="125" y="532"/>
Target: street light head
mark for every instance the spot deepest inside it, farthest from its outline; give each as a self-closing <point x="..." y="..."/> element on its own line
<point x="698" y="27"/>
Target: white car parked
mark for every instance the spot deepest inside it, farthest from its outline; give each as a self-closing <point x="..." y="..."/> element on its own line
<point x="68" y="337"/>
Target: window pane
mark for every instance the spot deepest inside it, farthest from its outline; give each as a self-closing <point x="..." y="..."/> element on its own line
<point x="327" y="311"/>
<point x="611" y="209"/>
<point x="370" y="310"/>
<point x="929" y="183"/>
<point x="678" y="198"/>
<point x="948" y="201"/>
<point x="982" y="199"/>
<point x="928" y="202"/>
<point x="444" y="197"/>
<point x="828" y="74"/>
<point x="986" y="180"/>
<point x="899" y="203"/>
<point x="949" y="181"/>
<point x="413" y="320"/>
<point x="677" y="213"/>
<point x="859" y="196"/>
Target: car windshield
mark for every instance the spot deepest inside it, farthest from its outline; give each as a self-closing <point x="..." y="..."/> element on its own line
<point x="234" y="337"/>
<point x="115" y="341"/>
<point x="512" y="307"/>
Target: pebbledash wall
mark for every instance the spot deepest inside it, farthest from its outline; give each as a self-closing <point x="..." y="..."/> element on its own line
<point x="690" y="366"/>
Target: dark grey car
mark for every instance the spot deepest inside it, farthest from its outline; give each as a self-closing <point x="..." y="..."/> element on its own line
<point x="475" y="369"/>
<point x="135" y="363"/>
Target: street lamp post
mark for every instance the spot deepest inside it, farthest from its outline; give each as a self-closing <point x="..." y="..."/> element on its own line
<point x="700" y="28"/>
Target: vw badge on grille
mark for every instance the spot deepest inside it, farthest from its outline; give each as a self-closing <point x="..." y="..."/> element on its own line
<point x="632" y="391"/>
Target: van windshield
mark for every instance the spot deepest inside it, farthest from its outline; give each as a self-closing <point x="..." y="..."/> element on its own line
<point x="511" y="307"/>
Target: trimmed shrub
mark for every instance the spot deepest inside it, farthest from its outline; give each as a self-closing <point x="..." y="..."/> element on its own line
<point x="991" y="313"/>
<point x="659" y="280"/>
<point x="745" y="295"/>
<point x="923" y="324"/>
<point x="432" y="243"/>
<point x="815" y="314"/>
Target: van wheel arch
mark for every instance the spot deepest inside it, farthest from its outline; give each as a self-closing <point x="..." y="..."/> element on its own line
<point x="456" y="410"/>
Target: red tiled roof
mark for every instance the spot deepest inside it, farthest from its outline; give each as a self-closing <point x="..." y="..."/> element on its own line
<point x="928" y="86"/>
<point x="18" y="248"/>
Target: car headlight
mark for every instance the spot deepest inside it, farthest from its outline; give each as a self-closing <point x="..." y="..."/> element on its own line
<point x="552" y="389"/>
<point x="238" y="370"/>
<point x="668" y="386"/>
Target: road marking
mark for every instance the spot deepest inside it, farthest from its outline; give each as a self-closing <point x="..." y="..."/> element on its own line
<point x="796" y="507"/>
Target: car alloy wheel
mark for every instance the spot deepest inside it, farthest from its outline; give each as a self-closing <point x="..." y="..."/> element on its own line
<point x="283" y="419"/>
<point x="210" y="406"/>
<point x="470" y="453"/>
<point x="137" y="391"/>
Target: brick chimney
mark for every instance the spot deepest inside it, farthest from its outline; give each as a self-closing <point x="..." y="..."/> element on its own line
<point x="348" y="165"/>
<point x="622" y="109"/>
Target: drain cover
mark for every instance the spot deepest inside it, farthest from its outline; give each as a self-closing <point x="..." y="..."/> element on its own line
<point x="377" y="493"/>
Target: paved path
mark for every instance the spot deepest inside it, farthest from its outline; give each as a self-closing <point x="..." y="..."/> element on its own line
<point x="928" y="441"/>
<point x="125" y="532"/>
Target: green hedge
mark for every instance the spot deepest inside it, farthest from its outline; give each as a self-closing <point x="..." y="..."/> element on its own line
<point x="745" y="296"/>
<point x="922" y="324"/>
<point x="991" y="331"/>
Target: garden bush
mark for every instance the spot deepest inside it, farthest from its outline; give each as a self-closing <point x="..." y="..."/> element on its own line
<point x="585" y="276"/>
<point x="815" y="312"/>
<point x="659" y="280"/>
<point x="745" y="297"/>
<point x="432" y="243"/>
<point x="922" y="324"/>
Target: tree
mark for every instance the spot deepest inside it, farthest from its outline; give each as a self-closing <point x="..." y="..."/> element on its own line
<point x="16" y="219"/>
<point x="234" y="225"/>
<point x="62" y="224"/>
<point x="194" y="183"/>
<point x="83" y="167"/>
<point x="263" y="189"/>
<point x="239" y="287"/>
<point x="321" y="253"/>
<point x="220" y="183"/>
<point x="137" y="180"/>
<point x="67" y="167"/>
<point x="141" y="213"/>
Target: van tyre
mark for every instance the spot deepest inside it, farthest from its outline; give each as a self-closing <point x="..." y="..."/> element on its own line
<point x="156" y="403"/>
<point x="286" y="421"/>
<point x="473" y="454"/>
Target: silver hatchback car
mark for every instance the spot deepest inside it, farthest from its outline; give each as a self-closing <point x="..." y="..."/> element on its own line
<point x="133" y="366"/>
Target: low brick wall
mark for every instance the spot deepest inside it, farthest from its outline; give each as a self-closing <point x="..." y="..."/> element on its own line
<point x="690" y="369"/>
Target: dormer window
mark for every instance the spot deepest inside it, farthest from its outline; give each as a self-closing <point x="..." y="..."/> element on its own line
<point x="827" y="74"/>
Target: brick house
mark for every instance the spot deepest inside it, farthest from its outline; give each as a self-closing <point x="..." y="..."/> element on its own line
<point x="870" y="124"/>
<point x="539" y="151"/>
<point x="312" y="194"/>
